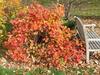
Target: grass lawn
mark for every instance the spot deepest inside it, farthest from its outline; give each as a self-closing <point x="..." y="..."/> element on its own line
<point x="92" y="8"/>
<point x="87" y="13"/>
<point x="51" y="71"/>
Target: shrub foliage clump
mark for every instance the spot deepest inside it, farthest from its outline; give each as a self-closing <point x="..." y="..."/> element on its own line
<point x="40" y="35"/>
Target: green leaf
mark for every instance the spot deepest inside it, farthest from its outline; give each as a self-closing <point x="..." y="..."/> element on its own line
<point x="8" y="26"/>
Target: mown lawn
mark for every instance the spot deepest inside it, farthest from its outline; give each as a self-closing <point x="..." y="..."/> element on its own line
<point x="51" y="71"/>
<point x="91" y="8"/>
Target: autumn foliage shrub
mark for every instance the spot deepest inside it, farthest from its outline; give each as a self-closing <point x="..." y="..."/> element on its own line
<point x="40" y="35"/>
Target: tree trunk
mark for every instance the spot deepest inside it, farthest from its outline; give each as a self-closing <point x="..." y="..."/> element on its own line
<point x="67" y="7"/>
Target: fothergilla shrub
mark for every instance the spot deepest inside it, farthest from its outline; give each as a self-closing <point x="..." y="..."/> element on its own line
<point x="40" y="35"/>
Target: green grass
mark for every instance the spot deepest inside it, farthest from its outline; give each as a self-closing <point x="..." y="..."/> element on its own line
<point x="90" y="12"/>
<point x="46" y="3"/>
<point x="45" y="71"/>
<point x="90" y="8"/>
